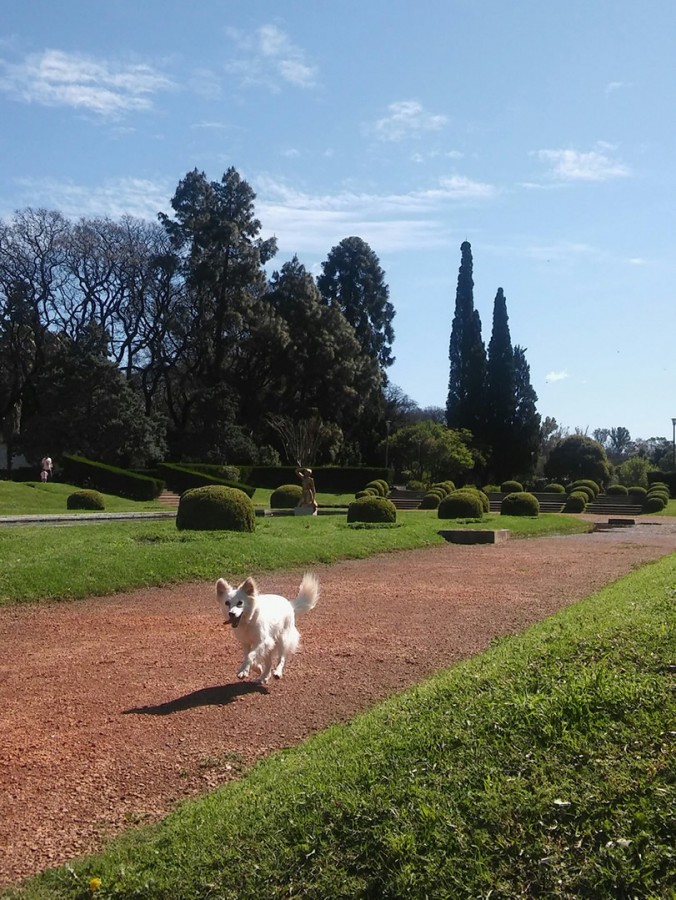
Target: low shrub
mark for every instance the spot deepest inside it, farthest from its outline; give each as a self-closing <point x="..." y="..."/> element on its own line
<point x="372" y="509"/>
<point x="637" y="493"/>
<point x="491" y="489"/>
<point x="511" y="487"/>
<point x="367" y="492"/>
<point x="520" y="503"/>
<point x="86" y="499"/>
<point x="660" y="495"/>
<point x="215" y="508"/>
<point x="554" y="488"/>
<point x="617" y="490"/>
<point x="576" y="502"/>
<point x="380" y="488"/>
<point x="654" y="504"/>
<point x="431" y="500"/>
<point x="461" y="504"/>
<point x="586" y="482"/>
<point x="414" y="485"/>
<point x="583" y="489"/>
<point x="286" y="496"/>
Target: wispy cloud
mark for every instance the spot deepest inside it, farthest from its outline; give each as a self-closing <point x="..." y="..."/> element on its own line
<point x="139" y="197"/>
<point x="407" y="118"/>
<point x="576" y="165"/>
<point x="556" y="376"/>
<point x="393" y="222"/>
<point x="270" y="58"/>
<point x="108" y="89"/>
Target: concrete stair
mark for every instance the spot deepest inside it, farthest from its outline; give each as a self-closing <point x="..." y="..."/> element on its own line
<point x="169" y="499"/>
<point x="404" y="499"/>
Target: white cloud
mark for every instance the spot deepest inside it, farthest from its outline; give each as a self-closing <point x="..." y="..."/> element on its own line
<point x="108" y="89"/>
<point x="407" y="118"/>
<point x="574" y="165"/>
<point x="392" y="222"/>
<point x="138" y="197"/>
<point x="268" y="58"/>
<point x="556" y="376"/>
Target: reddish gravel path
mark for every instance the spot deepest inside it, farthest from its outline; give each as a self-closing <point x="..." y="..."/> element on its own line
<point x="113" y="709"/>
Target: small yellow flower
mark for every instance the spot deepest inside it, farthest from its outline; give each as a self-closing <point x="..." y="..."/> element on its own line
<point x="94" y="884"/>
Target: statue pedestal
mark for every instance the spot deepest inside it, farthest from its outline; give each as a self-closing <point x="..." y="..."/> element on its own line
<point x="305" y="511"/>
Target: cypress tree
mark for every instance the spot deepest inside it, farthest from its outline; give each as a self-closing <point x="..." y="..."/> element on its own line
<point x="465" y="406"/>
<point x="500" y="390"/>
<point x="526" y="429"/>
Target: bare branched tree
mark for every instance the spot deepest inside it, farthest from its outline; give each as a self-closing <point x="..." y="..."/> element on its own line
<point x="300" y="439"/>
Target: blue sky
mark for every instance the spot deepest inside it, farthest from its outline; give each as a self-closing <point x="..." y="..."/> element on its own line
<point x="543" y="133"/>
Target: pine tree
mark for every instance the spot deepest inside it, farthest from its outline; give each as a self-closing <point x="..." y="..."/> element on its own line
<point x="466" y="403"/>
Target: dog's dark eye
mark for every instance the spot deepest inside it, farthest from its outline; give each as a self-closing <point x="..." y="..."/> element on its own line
<point x="240" y="603"/>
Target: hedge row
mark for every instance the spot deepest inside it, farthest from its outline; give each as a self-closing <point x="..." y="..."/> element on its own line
<point x="86" y="473"/>
<point x="180" y="478"/>
<point x="328" y="479"/>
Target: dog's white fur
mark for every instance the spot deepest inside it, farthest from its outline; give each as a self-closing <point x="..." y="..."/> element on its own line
<point x="265" y="624"/>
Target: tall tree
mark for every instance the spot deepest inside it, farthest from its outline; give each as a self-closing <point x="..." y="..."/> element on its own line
<point x="320" y="364"/>
<point x="353" y="281"/>
<point x="526" y="434"/>
<point x="466" y="403"/>
<point x="500" y="390"/>
<point x="216" y="236"/>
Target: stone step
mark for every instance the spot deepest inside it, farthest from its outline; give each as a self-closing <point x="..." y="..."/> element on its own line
<point x="169" y="498"/>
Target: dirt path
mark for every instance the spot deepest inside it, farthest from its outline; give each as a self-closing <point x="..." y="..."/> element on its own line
<point x="113" y="709"/>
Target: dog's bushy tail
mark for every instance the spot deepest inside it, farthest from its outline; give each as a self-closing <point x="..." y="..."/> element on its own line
<point x="308" y="593"/>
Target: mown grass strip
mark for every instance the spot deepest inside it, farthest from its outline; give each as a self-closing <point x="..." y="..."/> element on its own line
<point x="543" y="767"/>
<point x="43" y="562"/>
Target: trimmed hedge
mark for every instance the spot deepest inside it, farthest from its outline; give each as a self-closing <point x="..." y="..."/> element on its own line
<point x="286" y="496"/>
<point x="576" y="502"/>
<point x="511" y="487"/>
<point x="215" y="507"/>
<point x="372" y="509"/>
<point x="86" y="499"/>
<point x="328" y="479"/>
<point x="180" y="478"/>
<point x="617" y="490"/>
<point x="461" y="504"/>
<point x="87" y="473"/>
<point x="554" y="488"/>
<point x="520" y="503"/>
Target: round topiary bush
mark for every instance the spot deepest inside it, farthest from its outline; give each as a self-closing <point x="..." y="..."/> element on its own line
<point x="554" y="488"/>
<point x="448" y="484"/>
<point x="372" y="509"/>
<point x="286" y="496"/>
<point x="588" y="483"/>
<point x="583" y="489"/>
<point x="491" y="489"/>
<point x="367" y="492"/>
<point x="520" y="503"/>
<point x="617" y="490"/>
<point x="215" y="507"/>
<point x="377" y="487"/>
<point x="461" y="505"/>
<point x="653" y="504"/>
<point x="86" y="499"/>
<point x="431" y="500"/>
<point x="511" y="487"/>
<point x="637" y="493"/>
<point x="662" y="495"/>
<point x="576" y="502"/>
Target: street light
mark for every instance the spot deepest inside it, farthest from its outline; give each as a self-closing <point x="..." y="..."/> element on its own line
<point x="673" y="442"/>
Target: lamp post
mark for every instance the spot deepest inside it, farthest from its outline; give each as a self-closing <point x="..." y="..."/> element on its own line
<point x="673" y="444"/>
<point x="387" y="442"/>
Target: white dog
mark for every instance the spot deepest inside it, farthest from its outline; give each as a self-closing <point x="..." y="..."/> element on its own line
<point x="265" y="624"/>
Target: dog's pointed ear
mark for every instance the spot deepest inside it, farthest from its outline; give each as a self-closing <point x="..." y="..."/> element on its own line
<point x="249" y="587"/>
<point x="222" y="587"/>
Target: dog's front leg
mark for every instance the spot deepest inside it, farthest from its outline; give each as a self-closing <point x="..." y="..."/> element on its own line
<point x="248" y="662"/>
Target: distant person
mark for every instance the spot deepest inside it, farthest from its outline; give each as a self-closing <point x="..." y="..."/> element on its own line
<point x="46" y="468"/>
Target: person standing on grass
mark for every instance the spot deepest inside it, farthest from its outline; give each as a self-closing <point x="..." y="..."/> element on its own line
<point x="46" y="468"/>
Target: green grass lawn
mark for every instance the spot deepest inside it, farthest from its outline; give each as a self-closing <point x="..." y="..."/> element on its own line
<point x="41" y="562"/>
<point x="540" y="768"/>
